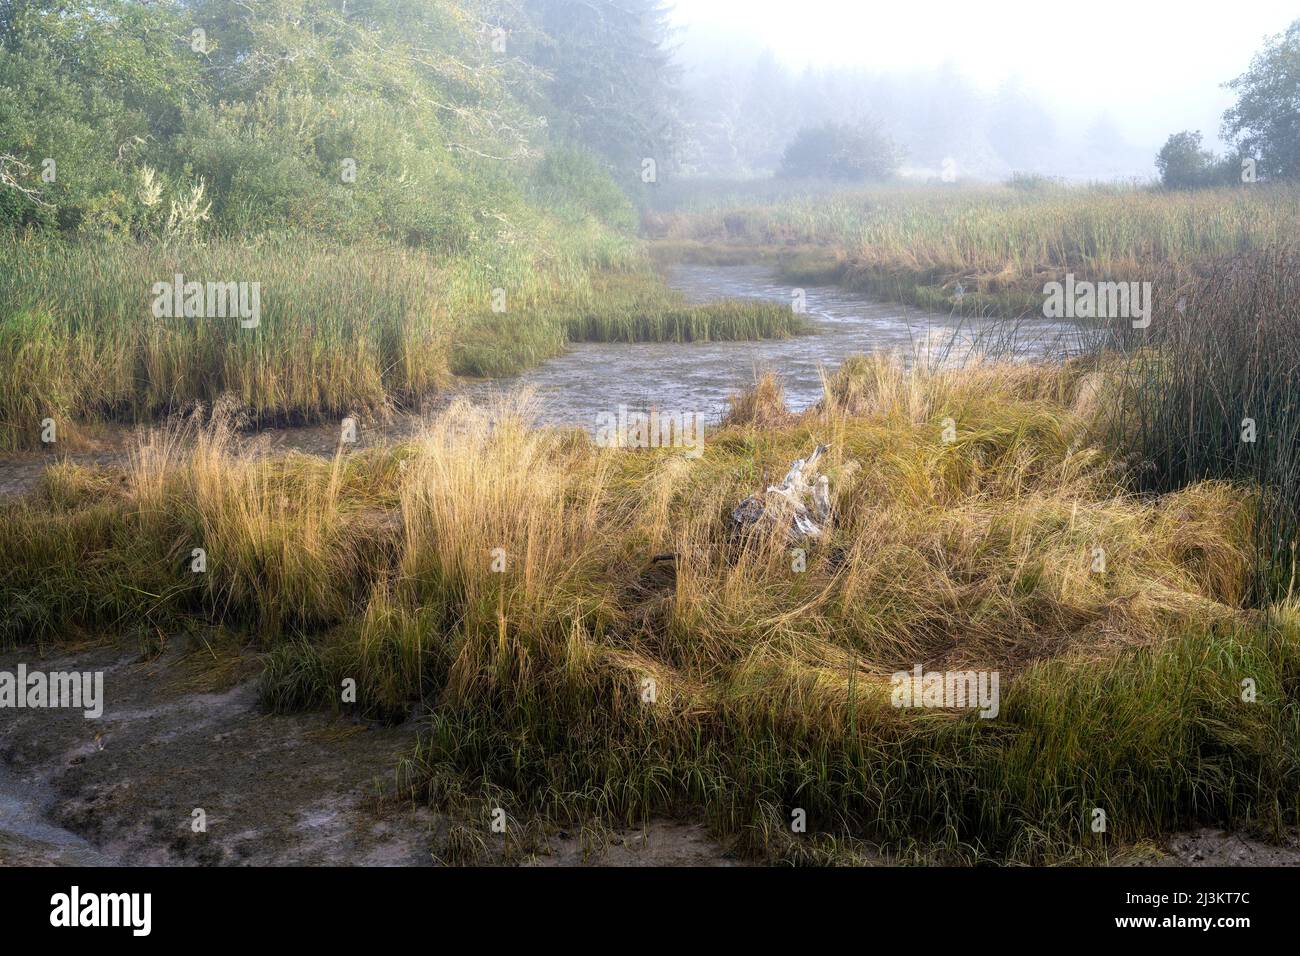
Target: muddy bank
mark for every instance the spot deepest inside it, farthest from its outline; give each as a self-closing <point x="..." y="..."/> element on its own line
<point x="182" y="731"/>
<point x="1213" y="847"/>
<point x="179" y="734"/>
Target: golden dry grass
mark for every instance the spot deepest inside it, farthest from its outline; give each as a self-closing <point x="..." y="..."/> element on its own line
<point x="770" y="684"/>
<point x="972" y="551"/>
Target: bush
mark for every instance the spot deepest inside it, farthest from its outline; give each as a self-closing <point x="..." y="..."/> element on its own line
<point x="840" y="152"/>
<point x="1033" y="182"/>
<point x="574" y="186"/>
<point x="1182" y="164"/>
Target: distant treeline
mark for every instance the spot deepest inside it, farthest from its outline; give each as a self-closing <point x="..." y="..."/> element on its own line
<point x="744" y="115"/>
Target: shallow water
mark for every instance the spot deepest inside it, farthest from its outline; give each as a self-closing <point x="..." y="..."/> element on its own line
<point x="696" y="378"/>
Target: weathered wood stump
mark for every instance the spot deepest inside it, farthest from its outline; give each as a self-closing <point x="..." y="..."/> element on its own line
<point x="801" y="503"/>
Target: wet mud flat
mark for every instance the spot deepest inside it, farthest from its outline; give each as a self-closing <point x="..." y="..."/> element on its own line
<point x="183" y="731"/>
<point x="179" y="735"/>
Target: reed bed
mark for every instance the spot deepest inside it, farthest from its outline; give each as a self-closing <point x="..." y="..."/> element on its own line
<point x="989" y="229"/>
<point x="999" y="244"/>
<point x="1212" y="391"/>
<point x="340" y="331"/>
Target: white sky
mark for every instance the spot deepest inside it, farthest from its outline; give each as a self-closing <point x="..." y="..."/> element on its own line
<point x="1155" y="66"/>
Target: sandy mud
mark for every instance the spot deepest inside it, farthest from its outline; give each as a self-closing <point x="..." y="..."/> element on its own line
<point x="183" y="731"/>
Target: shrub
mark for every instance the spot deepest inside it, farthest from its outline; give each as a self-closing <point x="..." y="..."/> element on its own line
<point x="840" y="152"/>
<point x="1182" y="164"/>
<point x="574" y="186"/>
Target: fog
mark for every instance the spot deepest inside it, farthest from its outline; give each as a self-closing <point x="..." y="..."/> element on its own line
<point x="1085" y="92"/>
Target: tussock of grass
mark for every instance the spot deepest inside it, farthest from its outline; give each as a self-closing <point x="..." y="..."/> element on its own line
<point x="761" y="404"/>
<point x="1214" y="394"/>
<point x="771" y="687"/>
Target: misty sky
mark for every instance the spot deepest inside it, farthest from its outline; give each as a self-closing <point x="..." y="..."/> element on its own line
<point x="1154" y="67"/>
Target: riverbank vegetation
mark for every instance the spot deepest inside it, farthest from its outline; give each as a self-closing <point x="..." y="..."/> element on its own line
<point x="982" y="248"/>
<point x="386" y="198"/>
<point x="339" y="331"/>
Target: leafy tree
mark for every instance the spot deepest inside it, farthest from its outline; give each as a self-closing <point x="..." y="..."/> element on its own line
<point x="386" y="116"/>
<point x="87" y="90"/>
<point x="1183" y="164"/>
<point x="1265" y="122"/>
<point x="418" y="120"/>
<point x="840" y="152"/>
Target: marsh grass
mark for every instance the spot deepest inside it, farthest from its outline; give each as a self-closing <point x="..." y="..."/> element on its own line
<point x="342" y="330"/>
<point x="506" y="581"/>
<point x="917" y="244"/>
<point x="621" y="307"/>
<point x="1157" y="737"/>
<point x="1221" y="349"/>
<point x="1214" y="393"/>
<point x="1121" y="689"/>
<point x="992" y="230"/>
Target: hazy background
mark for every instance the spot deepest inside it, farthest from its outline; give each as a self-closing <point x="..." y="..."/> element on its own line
<point x="1086" y="91"/>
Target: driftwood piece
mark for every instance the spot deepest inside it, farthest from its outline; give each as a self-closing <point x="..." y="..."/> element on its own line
<point x="801" y="502"/>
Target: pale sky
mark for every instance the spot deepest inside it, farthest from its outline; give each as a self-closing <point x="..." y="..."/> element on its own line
<point x="1155" y="66"/>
